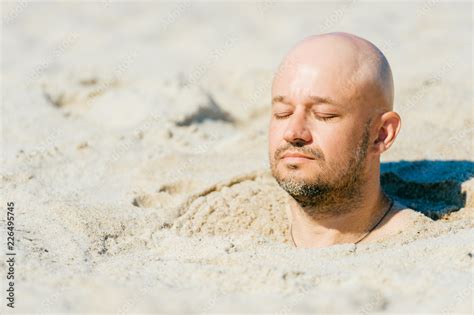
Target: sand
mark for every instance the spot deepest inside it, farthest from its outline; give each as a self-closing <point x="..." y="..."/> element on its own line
<point x="134" y="145"/>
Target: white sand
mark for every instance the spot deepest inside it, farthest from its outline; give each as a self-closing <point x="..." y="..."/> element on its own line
<point x="134" y="147"/>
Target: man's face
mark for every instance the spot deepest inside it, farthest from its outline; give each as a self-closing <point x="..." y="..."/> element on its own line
<point x="318" y="135"/>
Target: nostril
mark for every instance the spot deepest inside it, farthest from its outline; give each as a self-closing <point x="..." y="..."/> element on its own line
<point x="299" y="143"/>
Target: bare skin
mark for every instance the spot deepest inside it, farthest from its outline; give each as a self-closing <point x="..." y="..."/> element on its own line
<point x="332" y="118"/>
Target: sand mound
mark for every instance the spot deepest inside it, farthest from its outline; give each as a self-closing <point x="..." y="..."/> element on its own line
<point x="77" y="87"/>
<point x="255" y="204"/>
<point x="252" y="204"/>
<point x="95" y="95"/>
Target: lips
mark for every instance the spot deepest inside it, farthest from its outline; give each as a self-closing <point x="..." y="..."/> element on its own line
<point x="296" y="155"/>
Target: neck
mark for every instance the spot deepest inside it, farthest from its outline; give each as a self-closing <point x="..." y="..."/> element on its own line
<point x="345" y="226"/>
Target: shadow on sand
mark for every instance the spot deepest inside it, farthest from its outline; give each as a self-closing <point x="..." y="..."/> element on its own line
<point x="430" y="187"/>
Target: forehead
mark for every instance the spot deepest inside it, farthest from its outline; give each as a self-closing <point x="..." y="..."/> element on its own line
<point x="302" y="82"/>
<point x="307" y="101"/>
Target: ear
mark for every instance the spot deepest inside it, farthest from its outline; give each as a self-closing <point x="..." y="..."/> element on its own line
<point x="390" y="124"/>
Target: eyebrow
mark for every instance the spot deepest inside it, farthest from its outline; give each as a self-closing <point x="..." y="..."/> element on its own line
<point x="313" y="100"/>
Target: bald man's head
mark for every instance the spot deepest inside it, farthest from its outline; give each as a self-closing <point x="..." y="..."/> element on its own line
<point x="352" y="65"/>
<point x="332" y="117"/>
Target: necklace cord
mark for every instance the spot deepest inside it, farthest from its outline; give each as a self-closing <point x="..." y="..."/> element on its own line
<point x="366" y="234"/>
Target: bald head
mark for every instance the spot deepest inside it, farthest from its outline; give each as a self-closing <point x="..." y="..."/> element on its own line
<point x="340" y="66"/>
<point x="332" y="118"/>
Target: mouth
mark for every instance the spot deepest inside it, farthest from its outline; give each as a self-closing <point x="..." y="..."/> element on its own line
<point x="296" y="157"/>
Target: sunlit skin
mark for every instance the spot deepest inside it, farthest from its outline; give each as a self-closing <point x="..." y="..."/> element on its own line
<point x="329" y="92"/>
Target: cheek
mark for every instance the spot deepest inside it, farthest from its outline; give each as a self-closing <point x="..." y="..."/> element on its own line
<point x="275" y="136"/>
<point x="335" y="144"/>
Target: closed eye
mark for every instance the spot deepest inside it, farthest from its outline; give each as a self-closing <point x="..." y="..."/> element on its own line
<point x="281" y="115"/>
<point x="325" y="117"/>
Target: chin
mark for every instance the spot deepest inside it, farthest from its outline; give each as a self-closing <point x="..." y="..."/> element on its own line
<point x="307" y="167"/>
<point x="302" y="173"/>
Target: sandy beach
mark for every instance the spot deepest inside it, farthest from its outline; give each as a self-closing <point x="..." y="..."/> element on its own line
<point x="134" y="149"/>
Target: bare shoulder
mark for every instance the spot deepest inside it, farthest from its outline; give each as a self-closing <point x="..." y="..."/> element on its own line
<point x="399" y="219"/>
<point x="403" y="216"/>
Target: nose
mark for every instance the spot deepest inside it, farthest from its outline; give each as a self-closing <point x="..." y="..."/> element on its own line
<point x="297" y="132"/>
